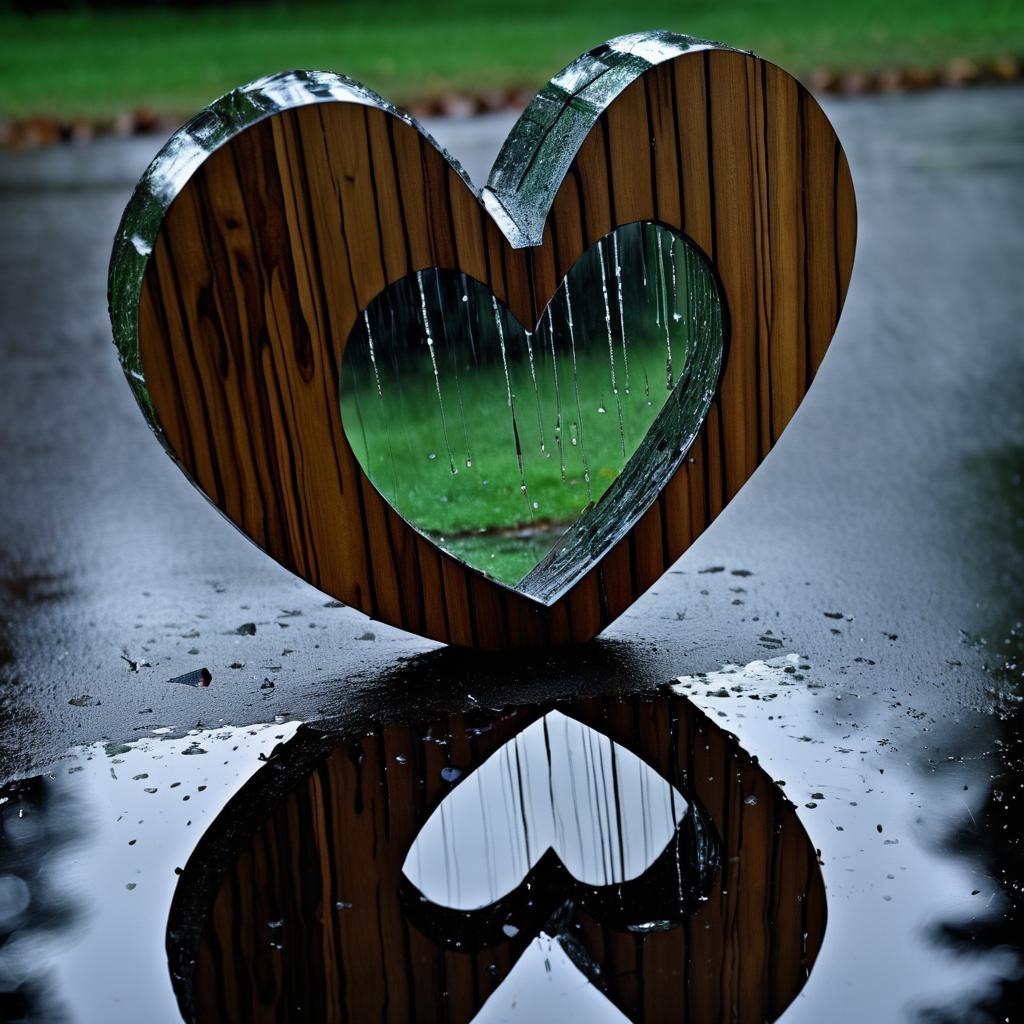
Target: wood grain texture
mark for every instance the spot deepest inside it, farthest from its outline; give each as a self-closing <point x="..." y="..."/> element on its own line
<point x="285" y="234"/>
<point x="333" y="821"/>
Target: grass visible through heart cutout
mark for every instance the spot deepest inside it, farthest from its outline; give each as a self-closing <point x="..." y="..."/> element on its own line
<point x="528" y="453"/>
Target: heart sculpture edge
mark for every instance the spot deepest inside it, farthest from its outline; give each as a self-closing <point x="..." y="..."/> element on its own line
<point x="269" y="221"/>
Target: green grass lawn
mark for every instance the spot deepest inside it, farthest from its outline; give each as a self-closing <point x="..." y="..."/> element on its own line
<point x="480" y="512"/>
<point x="175" y="61"/>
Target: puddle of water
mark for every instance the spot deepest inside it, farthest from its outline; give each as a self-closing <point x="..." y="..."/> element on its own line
<point x="440" y="863"/>
<point x="88" y="860"/>
<point x="613" y="856"/>
<point x="879" y="819"/>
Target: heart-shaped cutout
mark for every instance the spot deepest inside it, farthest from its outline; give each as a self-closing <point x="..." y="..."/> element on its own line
<point x="560" y="820"/>
<point x="270" y="223"/>
<point x="528" y="453"/>
<point x="561" y="786"/>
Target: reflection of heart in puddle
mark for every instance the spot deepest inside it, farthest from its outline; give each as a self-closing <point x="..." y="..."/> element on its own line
<point x="294" y="905"/>
<point x="558" y="813"/>
<point x="529" y="453"/>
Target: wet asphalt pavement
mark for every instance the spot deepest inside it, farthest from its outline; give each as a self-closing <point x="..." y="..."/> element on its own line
<point x="883" y="541"/>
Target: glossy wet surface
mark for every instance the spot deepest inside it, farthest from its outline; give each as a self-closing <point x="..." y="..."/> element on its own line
<point x="881" y="541"/>
<point x="424" y="871"/>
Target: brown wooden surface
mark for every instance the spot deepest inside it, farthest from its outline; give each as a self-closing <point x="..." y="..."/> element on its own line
<point x="341" y="831"/>
<point x="283" y="235"/>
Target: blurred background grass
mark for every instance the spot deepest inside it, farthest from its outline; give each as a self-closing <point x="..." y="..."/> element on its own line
<point x="100" y="59"/>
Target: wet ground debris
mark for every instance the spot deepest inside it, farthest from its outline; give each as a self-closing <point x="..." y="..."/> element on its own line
<point x="197" y="677"/>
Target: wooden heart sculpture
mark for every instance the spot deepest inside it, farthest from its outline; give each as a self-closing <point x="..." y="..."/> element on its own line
<point x="260" y="237"/>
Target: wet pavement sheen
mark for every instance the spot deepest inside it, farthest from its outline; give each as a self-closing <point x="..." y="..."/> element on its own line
<point x="852" y="617"/>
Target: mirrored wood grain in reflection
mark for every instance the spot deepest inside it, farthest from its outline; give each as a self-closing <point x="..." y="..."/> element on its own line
<point x="428" y="871"/>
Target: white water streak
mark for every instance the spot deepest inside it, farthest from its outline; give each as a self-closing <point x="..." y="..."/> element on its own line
<point x="536" y="390"/>
<point x="611" y="344"/>
<point x="576" y="385"/>
<point x="511" y="404"/>
<point x="622" y="314"/>
<point x="664" y="297"/>
<point x="558" y="395"/>
<point x="373" y="354"/>
<point x="437" y="376"/>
